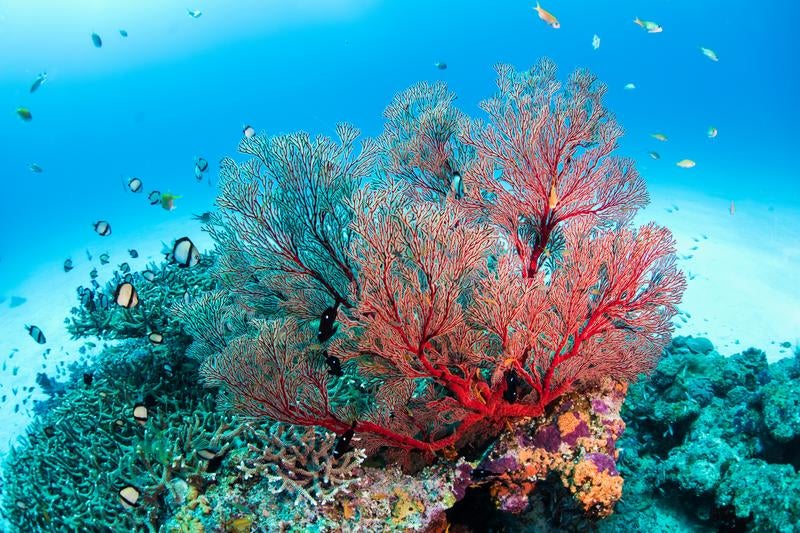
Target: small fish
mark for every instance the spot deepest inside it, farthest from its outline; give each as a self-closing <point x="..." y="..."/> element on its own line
<point x="712" y="132"/>
<point x="126" y="295"/>
<point x="97" y="41"/>
<point x="88" y="254"/>
<point x="129" y="497"/>
<point x="547" y="17"/>
<point x="552" y="198"/>
<point x="104" y="258"/>
<point x="149" y="275"/>
<point x="205" y="217"/>
<point x="732" y="208"/>
<point x="124" y="33"/>
<point x="654" y="155"/>
<point x="168" y="201"/>
<point x="686" y="163"/>
<point x="124" y="268"/>
<point x="154" y="198"/>
<point x="596" y="42"/>
<point x="36" y="169"/>
<point x="659" y="137"/>
<point x="249" y="131"/>
<point x="457" y="185"/>
<point x="650" y="27"/>
<point x="155" y="338"/>
<point x="102" y="301"/>
<point x="198" y="174"/>
<point x="88" y="378"/>
<point x="93" y="274"/>
<point x="187" y="297"/>
<point x="512" y="385"/>
<point x="213" y="456"/>
<point x="441" y="65"/>
<point x="185" y="253"/>
<point x="36" y="334"/>
<point x="194" y="13"/>
<point x="201" y="164"/>
<point x="68" y="265"/>
<point x="40" y="79"/>
<point x="343" y="442"/>
<point x="334" y="364"/>
<point x="135" y="185"/>
<point x="629" y="86"/>
<point x="326" y="323"/>
<point x="709" y="53"/>
<point x="140" y="413"/>
<point x="102" y="228"/>
<point x="133" y="253"/>
<point x="25" y="114"/>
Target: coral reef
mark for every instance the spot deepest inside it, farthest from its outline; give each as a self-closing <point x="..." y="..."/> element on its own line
<point x="484" y="271"/>
<point x="712" y="443"/>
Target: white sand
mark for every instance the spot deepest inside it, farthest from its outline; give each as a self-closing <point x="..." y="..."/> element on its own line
<point x="745" y="290"/>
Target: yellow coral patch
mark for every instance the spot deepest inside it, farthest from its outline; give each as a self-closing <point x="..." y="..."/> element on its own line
<point x="347" y="510"/>
<point x="597" y="491"/>
<point x="405" y="506"/>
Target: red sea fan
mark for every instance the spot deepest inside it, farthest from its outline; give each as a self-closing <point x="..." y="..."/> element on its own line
<point x="463" y="310"/>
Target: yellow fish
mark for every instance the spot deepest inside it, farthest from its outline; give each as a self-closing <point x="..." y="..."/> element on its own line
<point x="660" y="137"/>
<point x="712" y="132"/>
<point x="552" y="200"/>
<point x="547" y="17"/>
<point x="686" y="163"/>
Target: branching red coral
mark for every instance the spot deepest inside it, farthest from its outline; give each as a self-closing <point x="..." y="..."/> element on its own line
<point x="462" y="308"/>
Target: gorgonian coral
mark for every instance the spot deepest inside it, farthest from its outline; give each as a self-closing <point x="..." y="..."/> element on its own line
<point x="476" y="272"/>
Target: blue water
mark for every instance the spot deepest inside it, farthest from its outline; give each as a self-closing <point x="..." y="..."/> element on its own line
<point x="178" y="87"/>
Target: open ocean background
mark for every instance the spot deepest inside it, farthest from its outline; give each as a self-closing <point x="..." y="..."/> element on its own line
<point x="179" y="87"/>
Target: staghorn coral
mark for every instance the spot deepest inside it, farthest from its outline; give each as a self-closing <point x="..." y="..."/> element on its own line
<point x="300" y="462"/>
<point x="463" y="310"/>
<point x="99" y="316"/>
<point x="88" y="446"/>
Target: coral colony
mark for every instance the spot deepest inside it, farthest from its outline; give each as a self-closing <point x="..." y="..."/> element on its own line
<point x="453" y="308"/>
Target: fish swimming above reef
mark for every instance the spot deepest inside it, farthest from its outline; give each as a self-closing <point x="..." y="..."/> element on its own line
<point x="457" y="185"/>
<point x="712" y="132"/>
<point x="185" y="253"/>
<point x="709" y="53"/>
<point x="195" y="13"/>
<point x="654" y="155"/>
<point x="133" y="253"/>
<point x="25" y="114"/>
<point x="104" y="258"/>
<point x="102" y="228"/>
<point x="126" y="295"/>
<point x="343" y="442"/>
<point x="659" y="137"/>
<point x="129" y="497"/>
<point x="168" y="201"/>
<point x="629" y="86"/>
<point x="650" y="27"/>
<point x="201" y="164"/>
<point x="40" y="79"/>
<point x="135" y="185"/>
<point x="68" y="265"/>
<point x="204" y="217"/>
<point x="154" y="198"/>
<point x="326" y="323"/>
<point x="212" y="456"/>
<point x="334" y="364"/>
<point x="686" y="163"/>
<point x="547" y="17"/>
<point x="596" y="42"/>
<point x="140" y="413"/>
<point x="441" y="65"/>
<point x="36" y="169"/>
<point x="36" y="334"/>
<point x="123" y="33"/>
<point x="249" y="132"/>
<point x="97" y="41"/>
